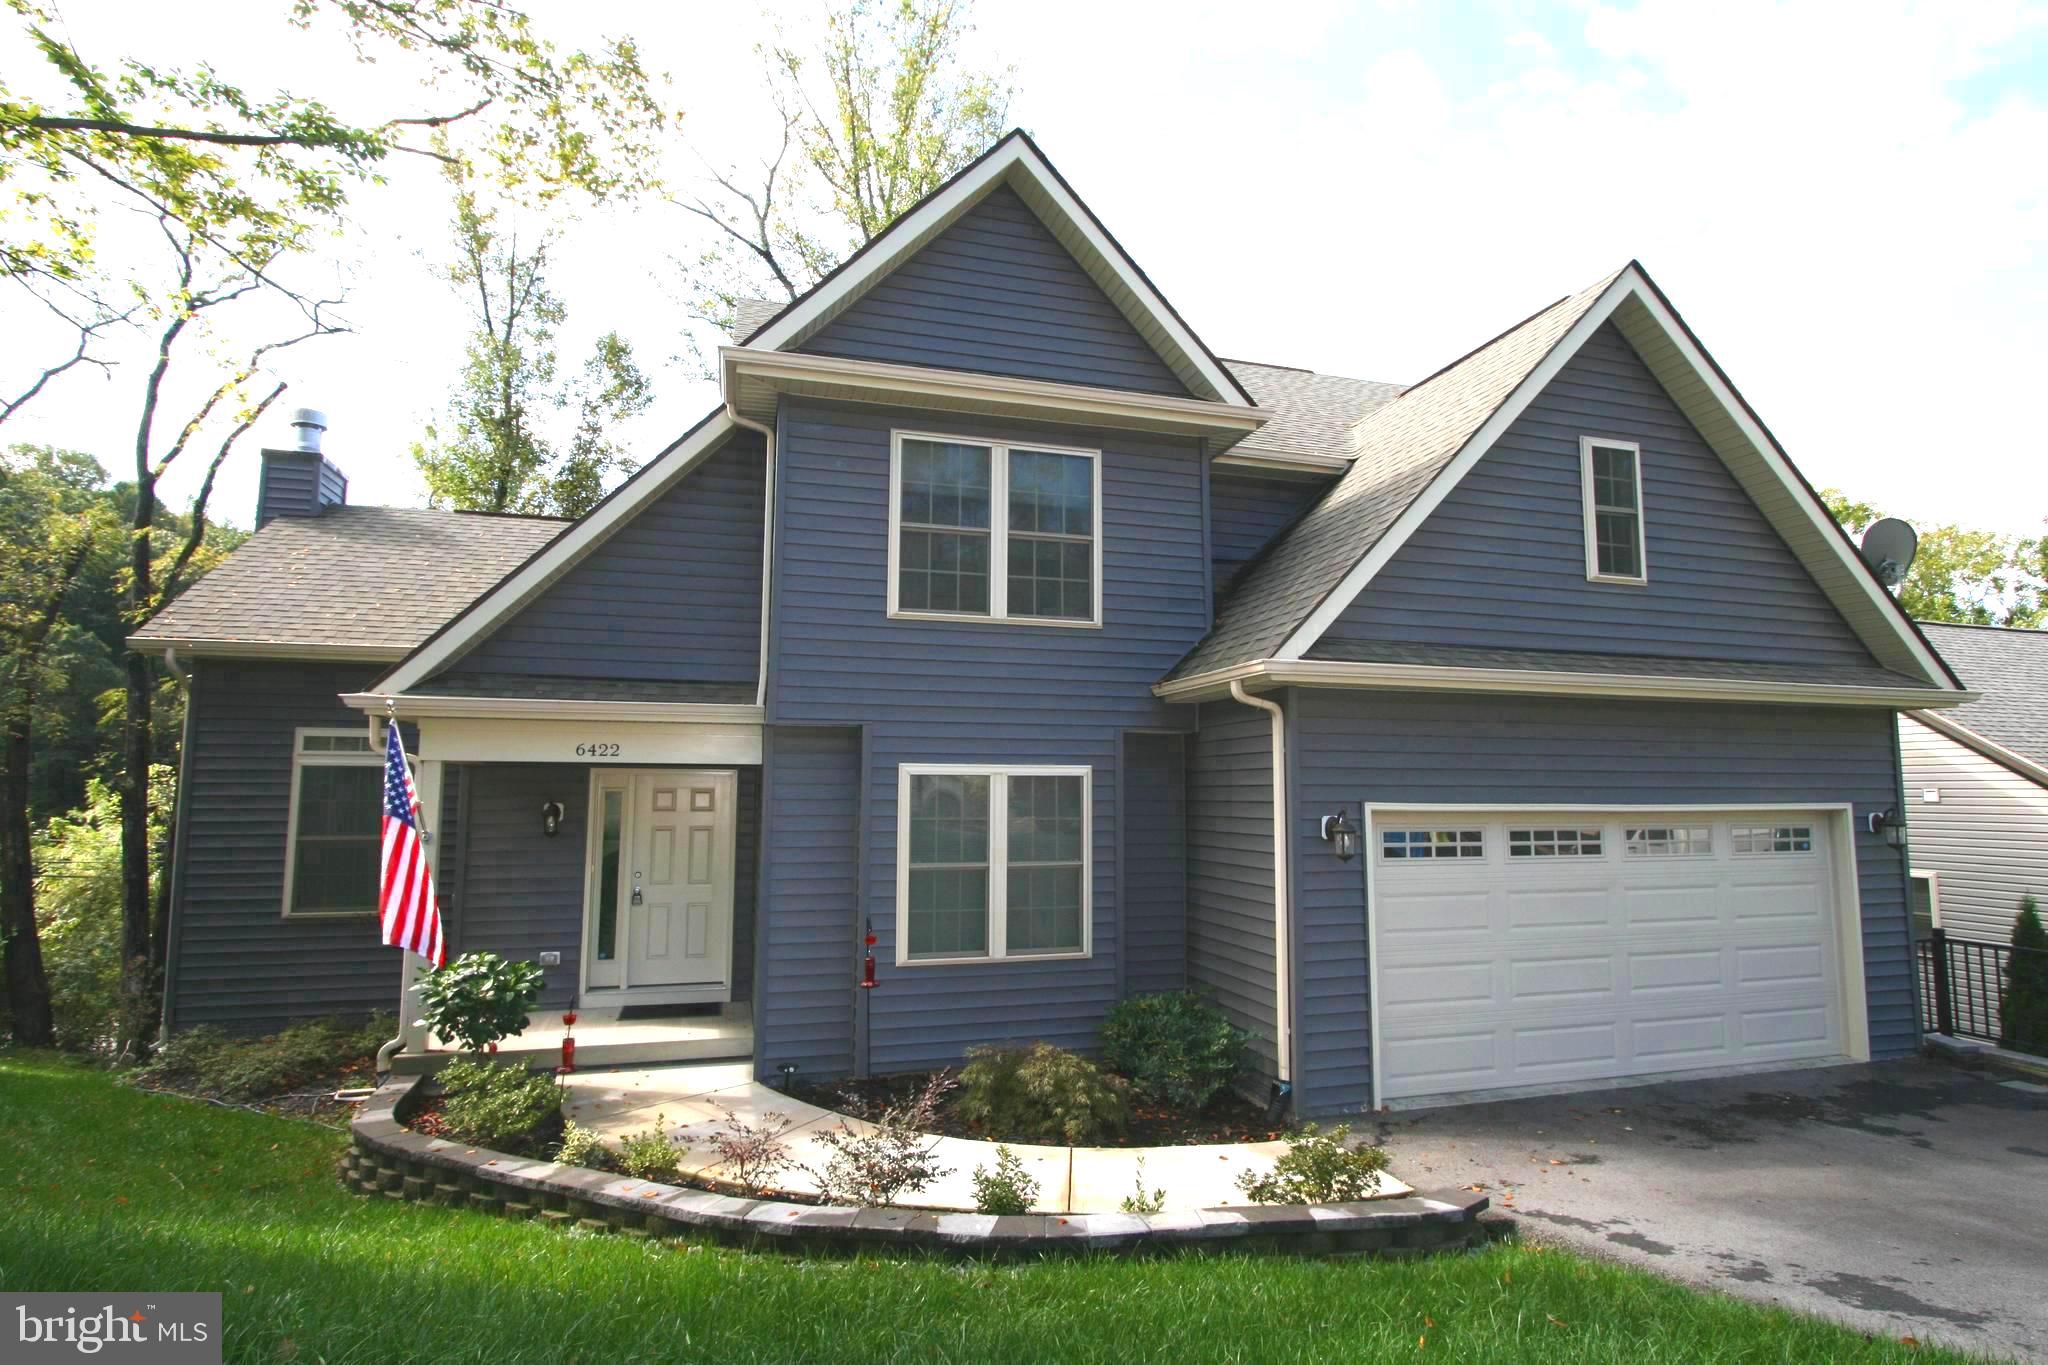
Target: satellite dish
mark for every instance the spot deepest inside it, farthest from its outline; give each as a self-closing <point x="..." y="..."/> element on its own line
<point x="1888" y="548"/>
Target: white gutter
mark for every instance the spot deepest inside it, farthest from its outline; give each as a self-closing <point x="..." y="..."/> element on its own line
<point x="767" y="537"/>
<point x="1283" y="950"/>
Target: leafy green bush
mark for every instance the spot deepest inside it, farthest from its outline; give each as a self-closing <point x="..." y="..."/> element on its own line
<point x="1040" y="1093"/>
<point x="583" y="1147"/>
<point x="1006" y="1189"/>
<point x="1175" y="1048"/>
<point x="499" y="1104"/>
<point x="206" y="1061"/>
<point x="480" y="998"/>
<point x="652" y="1155"/>
<point x="1318" y="1168"/>
<point x="2023" y="1012"/>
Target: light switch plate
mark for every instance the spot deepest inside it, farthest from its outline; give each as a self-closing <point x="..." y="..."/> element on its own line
<point x="550" y="959"/>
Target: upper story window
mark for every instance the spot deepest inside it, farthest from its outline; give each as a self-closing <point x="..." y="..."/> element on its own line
<point x="1611" y="479"/>
<point x="334" y="833"/>
<point x="980" y="531"/>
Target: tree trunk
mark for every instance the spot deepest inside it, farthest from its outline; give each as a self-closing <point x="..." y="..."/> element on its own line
<point x="139" y="1011"/>
<point x="28" y="990"/>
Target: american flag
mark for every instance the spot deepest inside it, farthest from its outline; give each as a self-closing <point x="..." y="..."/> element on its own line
<point x="405" y="900"/>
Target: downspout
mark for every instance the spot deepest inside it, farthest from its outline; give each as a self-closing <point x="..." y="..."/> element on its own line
<point x="179" y="817"/>
<point x="1283" y="947"/>
<point x="767" y="538"/>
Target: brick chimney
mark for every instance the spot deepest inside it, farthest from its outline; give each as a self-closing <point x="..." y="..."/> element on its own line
<point x="301" y="481"/>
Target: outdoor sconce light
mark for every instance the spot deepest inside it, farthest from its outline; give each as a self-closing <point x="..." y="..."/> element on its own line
<point x="1341" y="835"/>
<point x="551" y="818"/>
<point x="1887" y="823"/>
<point x="788" y="1073"/>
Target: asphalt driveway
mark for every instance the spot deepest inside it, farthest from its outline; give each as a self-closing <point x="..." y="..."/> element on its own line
<point x="1905" y="1198"/>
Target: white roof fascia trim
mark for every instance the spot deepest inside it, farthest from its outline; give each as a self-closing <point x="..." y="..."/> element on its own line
<point x="1418" y="511"/>
<point x="1991" y="749"/>
<point x="908" y="234"/>
<point x="1254" y="457"/>
<point x="489" y="611"/>
<point x="1080" y="403"/>
<point x="546" y="708"/>
<point x="1455" y="678"/>
<point x="1629" y="283"/>
<point x="262" y="649"/>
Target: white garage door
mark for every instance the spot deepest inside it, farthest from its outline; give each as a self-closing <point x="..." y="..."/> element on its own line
<point x="1527" y="950"/>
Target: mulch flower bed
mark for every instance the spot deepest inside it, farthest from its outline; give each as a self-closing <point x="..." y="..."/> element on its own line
<point x="1230" y="1118"/>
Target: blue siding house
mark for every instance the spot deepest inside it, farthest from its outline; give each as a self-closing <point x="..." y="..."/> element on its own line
<point x="995" y="652"/>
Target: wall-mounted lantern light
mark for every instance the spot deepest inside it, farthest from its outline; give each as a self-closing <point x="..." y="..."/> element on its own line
<point x="1341" y="835"/>
<point x="551" y="818"/>
<point x="1887" y="823"/>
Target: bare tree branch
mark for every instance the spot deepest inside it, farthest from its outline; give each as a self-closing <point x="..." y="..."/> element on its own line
<point x="195" y="534"/>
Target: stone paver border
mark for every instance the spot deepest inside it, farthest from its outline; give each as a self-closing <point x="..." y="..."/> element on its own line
<point x="388" y="1160"/>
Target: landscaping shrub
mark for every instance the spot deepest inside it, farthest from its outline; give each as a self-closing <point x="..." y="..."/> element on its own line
<point x="1006" y="1189"/>
<point x="480" y="998"/>
<point x="206" y="1061"/>
<point x="582" y="1147"/>
<point x="1318" y="1168"/>
<point x="752" y="1154"/>
<point x="652" y="1155"/>
<point x="1140" y="1199"/>
<point x="2023" y="1012"/>
<point x="501" y="1105"/>
<point x="1174" y="1048"/>
<point x="1040" y="1093"/>
<point x="896" y="1156"/>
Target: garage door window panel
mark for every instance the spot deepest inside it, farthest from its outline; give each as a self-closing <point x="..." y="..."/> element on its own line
<point x="1439" y="845"/>
<point x="1554" y="843"/>
<point x="1764" y="840"/>
<point x="1669" y="841"/>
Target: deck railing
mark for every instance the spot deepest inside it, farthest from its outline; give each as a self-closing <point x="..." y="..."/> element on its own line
<point x="1962" y="983"/>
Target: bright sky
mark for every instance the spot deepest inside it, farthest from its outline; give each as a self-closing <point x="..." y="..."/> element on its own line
<point x="1848" y="202"/>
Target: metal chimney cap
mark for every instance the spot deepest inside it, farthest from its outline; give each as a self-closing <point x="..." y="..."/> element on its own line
<point x="309" y="423"/>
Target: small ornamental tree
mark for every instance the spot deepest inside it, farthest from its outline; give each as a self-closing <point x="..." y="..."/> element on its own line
<point x="480" y="998"/>
<point x="2023" y="1013"/>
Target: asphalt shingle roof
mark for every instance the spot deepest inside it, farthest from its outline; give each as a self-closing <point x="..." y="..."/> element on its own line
<point x="2010" y="667"/>
<point x="1316" y="414"/>
<point x="1613" y="665"/>
<point x="749" y="314"/>
<point x="379" y="578"/>
<point x="1402" y="446"/>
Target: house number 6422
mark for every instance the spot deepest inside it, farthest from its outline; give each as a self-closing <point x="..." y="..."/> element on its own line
<point x="597" y="751"/>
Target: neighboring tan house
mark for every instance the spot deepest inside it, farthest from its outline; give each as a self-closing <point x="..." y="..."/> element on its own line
<point x="1519" y="727"/>
<point x="1977" y="784"/>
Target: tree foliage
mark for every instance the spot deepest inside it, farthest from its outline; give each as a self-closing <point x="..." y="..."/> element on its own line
<point x="874" y="116"/>
<point x="2023" y="1011"/>
<point x="1963" y="575"/>
<point x="498" y="449"/>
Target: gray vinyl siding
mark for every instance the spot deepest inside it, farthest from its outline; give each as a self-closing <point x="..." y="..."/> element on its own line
<point x="522" y="894"/>
<point x="1154" y="852"/>
<point x="296" y="483"/>
<point x="807" y="938"/>
<point x="672" y="596"/>
<point x="997" y="293"/>
<point x="1501" y="562"/>
<point x="1987" y="836"/>
<point x="967" y="692"/>
<point x="239" y="963"/>
<point x="1350" y="748"/>
<point x="1230" y="870"/>
<point x="1247" y="508"/>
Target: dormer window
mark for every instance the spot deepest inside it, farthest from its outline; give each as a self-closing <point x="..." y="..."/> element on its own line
<point x="1611" y="479"/>
<point x="981" y="531"/>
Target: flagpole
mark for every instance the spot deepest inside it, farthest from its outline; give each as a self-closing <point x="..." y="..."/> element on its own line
<point x="426" y="780"/>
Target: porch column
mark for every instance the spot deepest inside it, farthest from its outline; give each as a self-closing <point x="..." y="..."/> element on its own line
<point x="427" y="781"/>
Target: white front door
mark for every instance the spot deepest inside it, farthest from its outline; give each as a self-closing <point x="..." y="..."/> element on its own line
<point x="1532" y="948"/>
<point x="662" y="845"/>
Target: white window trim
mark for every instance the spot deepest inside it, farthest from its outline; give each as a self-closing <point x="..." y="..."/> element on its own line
<point x="1593" y="574"/>
<point x="301" y="760"/>
<point x="998" y="860"/>
<point x="1933" y="879"/>
<point x="998" y="531"/>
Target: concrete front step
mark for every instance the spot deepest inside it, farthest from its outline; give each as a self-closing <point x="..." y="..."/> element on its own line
<point x="645" y="1052"/>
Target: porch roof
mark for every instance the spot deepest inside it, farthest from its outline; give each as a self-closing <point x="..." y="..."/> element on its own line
<point x="528" y="687"/>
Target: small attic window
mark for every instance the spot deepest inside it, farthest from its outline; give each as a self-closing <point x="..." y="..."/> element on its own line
<point x="1611" y="479"/>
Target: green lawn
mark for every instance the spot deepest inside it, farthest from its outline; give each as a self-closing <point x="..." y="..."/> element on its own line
<point x="109" y="1189"/>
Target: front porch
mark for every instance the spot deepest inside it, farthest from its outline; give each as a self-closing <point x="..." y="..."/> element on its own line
<point x="609" y="1038"/>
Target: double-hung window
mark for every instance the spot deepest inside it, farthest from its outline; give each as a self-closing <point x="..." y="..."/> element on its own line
<point x="335" y="833"/>
<point x="996" y="532"/>
<point x="991" y="863"/>
<point x="1611" y="481"/>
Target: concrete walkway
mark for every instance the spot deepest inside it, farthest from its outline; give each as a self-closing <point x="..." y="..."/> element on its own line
<point x="691" y="1102"/>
